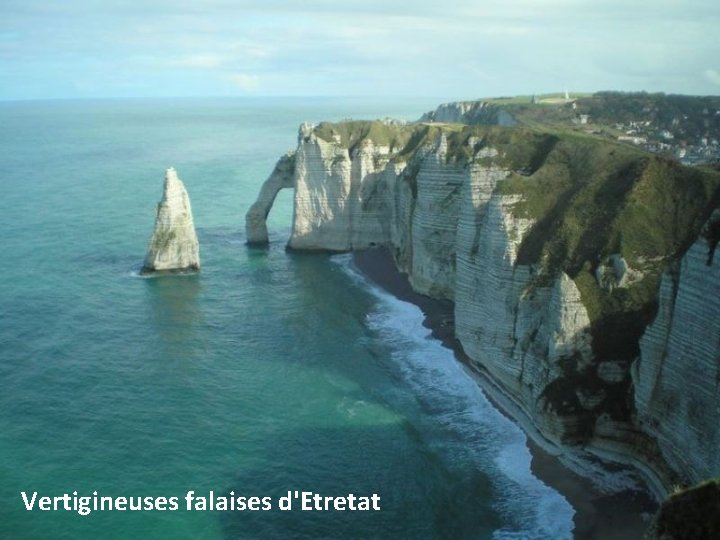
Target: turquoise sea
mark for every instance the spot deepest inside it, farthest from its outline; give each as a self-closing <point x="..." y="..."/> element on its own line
<point x="264" y="373"/>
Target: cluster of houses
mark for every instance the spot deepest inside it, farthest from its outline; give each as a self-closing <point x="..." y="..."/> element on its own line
<point x="690" y="144"/>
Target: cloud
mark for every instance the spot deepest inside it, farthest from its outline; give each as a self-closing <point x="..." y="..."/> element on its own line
<point x="198" y="61"/>
<point x="712" y="75"/>
<point x="455" y="49"/>
<point x="245" y="81"/>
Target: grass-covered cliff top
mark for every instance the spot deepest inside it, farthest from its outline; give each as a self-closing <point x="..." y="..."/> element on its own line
<point x="405" y="139"/>
<point x="590" y="200"/>
<point x="353" y="132"/>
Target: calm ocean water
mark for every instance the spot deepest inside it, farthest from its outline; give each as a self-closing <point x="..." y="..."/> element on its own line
<point x="267" y="372"/>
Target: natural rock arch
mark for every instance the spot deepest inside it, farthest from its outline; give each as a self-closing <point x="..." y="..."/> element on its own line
<point x="256" y="218"/>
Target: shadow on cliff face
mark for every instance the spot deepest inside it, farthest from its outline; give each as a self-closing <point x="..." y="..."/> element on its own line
<point x="436" y="504"/>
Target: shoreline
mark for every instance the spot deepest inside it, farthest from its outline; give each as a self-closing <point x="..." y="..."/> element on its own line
<point x="598" y="515"/>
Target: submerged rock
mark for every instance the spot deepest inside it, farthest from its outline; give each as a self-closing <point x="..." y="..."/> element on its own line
<point x="174" y="244"/>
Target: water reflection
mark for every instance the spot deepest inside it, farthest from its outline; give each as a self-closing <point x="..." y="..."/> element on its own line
<point x="174" y="310"/>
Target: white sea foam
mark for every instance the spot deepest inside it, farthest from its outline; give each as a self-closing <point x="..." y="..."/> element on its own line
<point x="479" y="436"/>
<point x="137" y="273"/>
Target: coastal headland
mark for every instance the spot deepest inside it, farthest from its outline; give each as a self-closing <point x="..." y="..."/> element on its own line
<point x="578" y="270"/>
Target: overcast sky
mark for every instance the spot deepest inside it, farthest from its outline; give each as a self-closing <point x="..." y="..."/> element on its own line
<point x="450" y="49"/>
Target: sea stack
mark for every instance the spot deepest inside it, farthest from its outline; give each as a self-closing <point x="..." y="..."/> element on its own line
<point x="174" y="244"/>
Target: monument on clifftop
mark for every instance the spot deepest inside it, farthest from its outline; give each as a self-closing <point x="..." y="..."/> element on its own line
<point x="174" y="244"/>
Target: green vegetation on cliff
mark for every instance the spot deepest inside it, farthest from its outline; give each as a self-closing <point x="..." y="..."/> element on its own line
<point x="354" y="132"/>
<point x="591" y="200"/>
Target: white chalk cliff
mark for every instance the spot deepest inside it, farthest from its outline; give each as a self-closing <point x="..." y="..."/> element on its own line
<point x="341" y="201"/>
<point x="677" y="377"/>
<point x="174" y="244"/>
<point x="548" y="306"/>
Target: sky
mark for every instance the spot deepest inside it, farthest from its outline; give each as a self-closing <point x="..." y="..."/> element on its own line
<point x="452" y="49"/>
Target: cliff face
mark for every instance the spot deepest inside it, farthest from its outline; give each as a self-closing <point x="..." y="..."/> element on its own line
<point x="174" y="244"/>
<point x="677" y="376"/>
<point x="525" y="336"/>
<point x="552" y="248"/>
<point x="341" y="193"/>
